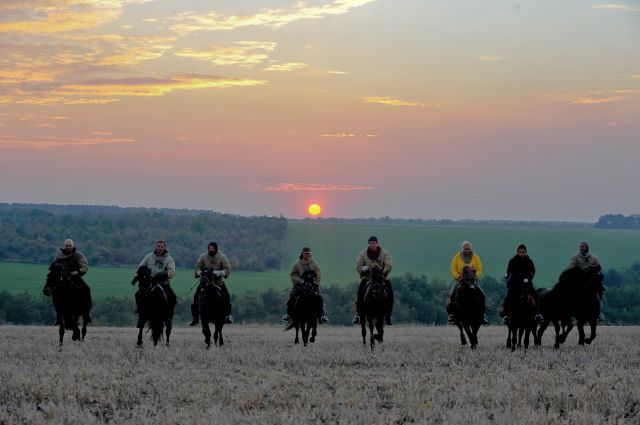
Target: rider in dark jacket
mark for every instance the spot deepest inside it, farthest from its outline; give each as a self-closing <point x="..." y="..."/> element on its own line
<point x="520" y="271"/>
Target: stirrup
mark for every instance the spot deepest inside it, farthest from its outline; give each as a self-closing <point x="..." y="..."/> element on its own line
<point x="228" y="320"/>
<point x="286" y="318"/>
<point x="356" y="319"/>
<point x="506" y="320"/>
<point x="485" y="321"/>
<point x="324" y="319"/>
<point x="451" y="319"/>
<point x="539" y="318"/>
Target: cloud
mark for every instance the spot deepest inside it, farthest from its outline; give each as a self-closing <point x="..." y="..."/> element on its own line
<point x="243" y="53"/>
<point x="102" y="91"/>
<point x="349" y="136"/>
<point x="102" y="133"/>
<point x="489" y="58"/>
<point x="274" y="18"/>
<point x="335" y="72"/>
<point x="588" y="98"/>
<point x="307" y="187"/>
<point x="616" y="6"/>
<point x="286" y="67"/>
<point x="41" y="17"/>
<point x="152" y="86"/>
<point x="10" y="142"/>
<point x="397" y="102"/>
<point x="619" y="123"/>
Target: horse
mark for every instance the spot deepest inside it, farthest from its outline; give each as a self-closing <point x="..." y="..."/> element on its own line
<point x="575" y="295"/>
<point x="522" y="319"/>
<point x="467" y="305"/>
<point x="212" y="308"/>
<point x="154" y="307"/>
<point x="67" y="301"/>
<point x="306" y="308"/>
<point x="374" y="307"/>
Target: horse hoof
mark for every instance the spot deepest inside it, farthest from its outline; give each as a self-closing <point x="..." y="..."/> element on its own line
<point x="473" y="347"/>
<point x="588" y="341"/>
<point x="312" y="339"/>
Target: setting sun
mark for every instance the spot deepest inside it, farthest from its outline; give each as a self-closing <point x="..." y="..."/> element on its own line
<point x="314" y="209"/>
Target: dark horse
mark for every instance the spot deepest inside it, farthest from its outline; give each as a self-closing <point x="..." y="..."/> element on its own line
<point x="306" y="308"/>
<point x="213" y="308"/>
<point x="575" y="295"/>
<point x="67" y="300"/>
<point x="522" y="318"/>
<point x="374" y="307"/>
<point x="467" y="305"/>
<point x="154" y="307"/>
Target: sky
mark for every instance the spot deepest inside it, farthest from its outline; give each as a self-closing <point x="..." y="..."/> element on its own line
<point x="524" y="110"/>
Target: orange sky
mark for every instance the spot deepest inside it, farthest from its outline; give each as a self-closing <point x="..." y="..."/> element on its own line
<point x="405" y="108"/>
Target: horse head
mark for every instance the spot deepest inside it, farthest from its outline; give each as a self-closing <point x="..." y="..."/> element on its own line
<point x="376" y="285"/>
<point x="206" y="277"/>
<point x="309" y="278"/>
<point x="143" y="277"/>
<point x="468" y="278"/>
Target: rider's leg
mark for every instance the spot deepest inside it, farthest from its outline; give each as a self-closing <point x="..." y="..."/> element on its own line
<point x="227" y="300"/>
<point x="390" y="300"/>
<point x="452" y="291"/>
<point x="360" y="296"/>
<point x="195" y="307"/>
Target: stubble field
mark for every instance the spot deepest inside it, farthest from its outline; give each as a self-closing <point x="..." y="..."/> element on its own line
<point x="419" y="374"/>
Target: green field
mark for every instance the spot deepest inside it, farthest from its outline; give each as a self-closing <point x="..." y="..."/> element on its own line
<point x="419" y="249"/>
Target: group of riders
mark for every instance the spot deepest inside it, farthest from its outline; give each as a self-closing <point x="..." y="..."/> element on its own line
<point x="520" y="273"/>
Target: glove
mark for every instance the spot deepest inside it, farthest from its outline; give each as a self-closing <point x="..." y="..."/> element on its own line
<point x="364" y="268"/>
<point x="162" y="276"/>
<point x="218" y="273"/>
<point x="196" y="275"/>
<point x="74" y="273"/>
<point x="134" y="280"/>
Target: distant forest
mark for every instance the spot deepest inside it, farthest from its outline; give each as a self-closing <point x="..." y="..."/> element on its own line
<point x="446" y="221"/>
<point x="619" y="221"/>
<point x="417" y="300"/>
<point x="113" y="236"/>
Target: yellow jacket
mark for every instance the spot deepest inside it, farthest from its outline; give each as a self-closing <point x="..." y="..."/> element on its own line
<point x="457" y="264"/>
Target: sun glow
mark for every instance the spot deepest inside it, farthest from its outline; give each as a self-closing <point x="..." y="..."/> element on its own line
<point x="314" y="209"/>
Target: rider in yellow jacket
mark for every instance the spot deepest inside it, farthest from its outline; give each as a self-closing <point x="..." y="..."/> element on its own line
<point x="466" y="257"/>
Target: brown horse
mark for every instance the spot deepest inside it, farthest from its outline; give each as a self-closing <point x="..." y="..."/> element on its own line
<point x="212" y="307"/>
<point x="467" y="305"/>
<point x="154" y="306"/>
<point x="68" y="302"/>
<point x="306" y="308"/>
<point x="374" y="307"/>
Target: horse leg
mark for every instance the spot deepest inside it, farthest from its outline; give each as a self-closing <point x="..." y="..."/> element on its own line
<point x="471" y="335"/>
<point x="568" y="326"/>
<point x="580" y="332"/>
<point x="84" y="329"/>
<point x="168" y="327"/>
<point x="463" y="340"/>
<point x="537" y="337"/>
<point x="206" y="331"/>
<point x="218" y="332"/>
<point x="526" y="338"/>
<point x="594" y="323"/>
<point x="140" y="327"/>
<point x="314" y="332"/>
<point x="379" y="329"/>
<point x="305" y="332"/>
<point x="520" y="332"/>
<point x="372" y="337"/>
<point x="556" y="326"/>
<point x="514" y="337"/>
<point x="364" y="330"/>
<point x="74" y="328"/>
<point x="61" y="328"/>
<point x="508" y="336"/>
<point x="297" y="341"/>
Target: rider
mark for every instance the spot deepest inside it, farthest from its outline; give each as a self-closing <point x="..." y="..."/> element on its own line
<point x="374" y="256"/>
<point x="163" y="268"/>
<point x="520" y="270"/>
<point x="305" y="263"/>
<point x="75" y="263"/>
<point x="588" y="263"/>
<point x="218" y="262"/>
<point x="466" y="257"/>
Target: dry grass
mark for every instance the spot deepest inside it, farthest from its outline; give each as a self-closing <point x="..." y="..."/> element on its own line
<point x="420" y="374"/>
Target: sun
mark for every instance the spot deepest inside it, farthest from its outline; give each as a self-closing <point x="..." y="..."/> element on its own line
<point x="314" y="209"/>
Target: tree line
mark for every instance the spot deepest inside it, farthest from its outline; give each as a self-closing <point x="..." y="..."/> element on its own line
<point x="417" y="300"/>
<point x="618" y="221"/>
<point x="110" y="237"/>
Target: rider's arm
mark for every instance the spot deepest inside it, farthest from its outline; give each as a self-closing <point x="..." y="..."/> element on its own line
<point x="226" y="266"/>
<point x="387" y="263"/>
<point x="360" y="263"/>
<point x="199" y="266"/>
<point x="456" y="267"/>
<point x="83" y="265"/>
<point x="317" y="270"/>
<point x="171" y="268"/>
<point x="476" y="263"/>
<point x="295" y="275"/>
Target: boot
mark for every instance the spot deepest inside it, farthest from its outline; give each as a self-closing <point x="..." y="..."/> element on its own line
<point x="286" y="318"/>
<point x="196" y="315"/>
